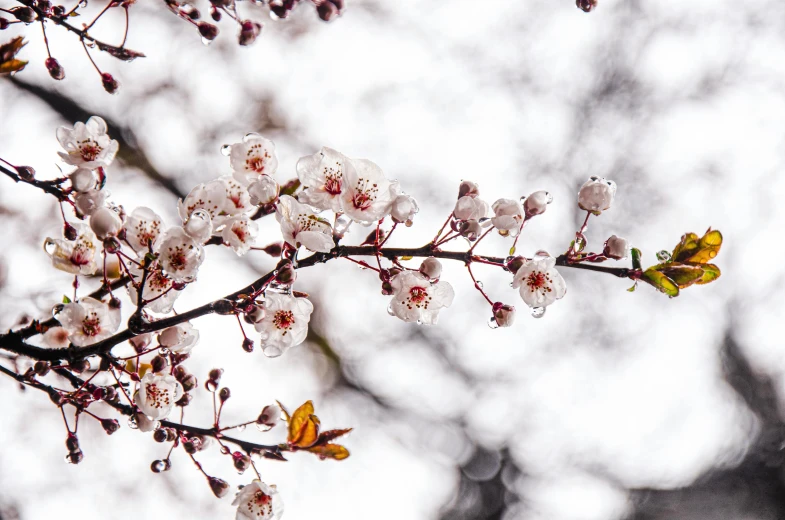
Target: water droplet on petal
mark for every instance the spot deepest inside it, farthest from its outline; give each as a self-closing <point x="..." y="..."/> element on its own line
<point x="163" y="351"/>
<point x="206" y="41"/>
<point x="492" y="323"/>
<point x="390" y="310"/>
<point x="226" y="150"/>
<point x="50" y="247"/>
<point x="263" y="427"/>
<point x="249" y="136"/>
<point x="57" y="309"/>
<point x="548" y="197"/>
<point x="271" y="351"/>
<point x="132" y="423"/>
<point x="663" y="256"/>
<point x="538" y="312"/>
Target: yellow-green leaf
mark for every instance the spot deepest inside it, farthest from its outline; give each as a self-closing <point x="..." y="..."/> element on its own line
<point x="660" y="281"/>
<point x="708" y="248"/>
<point x="710" y="273"/>
<point x="681" y="274"/>
<point x="330" y="451"/>
<point x="685" y="248"/>
<point x="8" y="52"/>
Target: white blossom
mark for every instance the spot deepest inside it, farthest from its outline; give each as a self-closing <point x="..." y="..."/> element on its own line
<point x="415" y="298"/>
<point x="240" y="233"/>
<point x="82" y="179"/>
<point x="596" y="195"/>
<point x="180" y="338"/>
<point x="143" y="228"/>
<point x="367" y="194"/>
<point x="616" y="247"/>
<point x="157" y="395"/>
<point x="105" y="223"/>
<point x="222" y="198"/>
<point x="539" y="282"/>
<point x="301" y="226"/>
<point x="470" y="208"/>
<point x="157" y="289"/>
<point x="285" y="322"/>
<point x="56" y="337"/>
<point x="263" y="191"/>
<point x="181" y="255"/>
<point x="88" y="321"/>
<point x="253" y="157"/>
<point x="87" y="145"/>
<point x="88" y="202"/>
<point x="238" y="200"/>
<point x="322" y="176"/>
<point x="431" y="267"/>
<point x="258" y="501"/>
<point x="508" y="216"/>
<point x="77" y="256"/>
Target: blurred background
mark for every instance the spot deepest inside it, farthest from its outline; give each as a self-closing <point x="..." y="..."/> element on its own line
<point x="615" y="405"/>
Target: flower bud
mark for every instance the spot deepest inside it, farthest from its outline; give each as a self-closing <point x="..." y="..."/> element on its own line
<point x="248" y="32"/>
<point x="254" y="314"/>
<point x="185" y="400"/>
<point x="41" y="368"/>
<point x="141" y="341"/>
<point x="180" y="373"/>
<point x="241" y="461"/>
<point x="189" y="382"/>
<point x="431" y="267"/>
<point x="72" y="442"/>
<point x="470" y="208"/>
<point x="207" y="30"/>
<point x="26" y="173"/>
<point x="58" y="11"/>
<point x="503" y="315"/>
<point x="105" y="223"/>
<point x="110" y="84"/>
<point x="3" y="23"/>
<point x="89" y="201"/>
<point x="285" y="273"/>
<point x="248" y="345"/>
<point x="269" y="416"/>
<point x="224" y="394"/>
<point x="220" y="487"/>
<point x="263" y="191"/>
<point x="515" y="263"/>
<point x="157" y="466"/>
<point x="327" y="10"/>
<point x="54" y="68"/>
<point x="586" y="5"/>
<point x="75" y="457"/>
<point x="160" y="435"/>
<point x="199" y="226"/>
<point x="596" y="195"/>
<point x="471" y="230"/>
<point x="82" y="180"/>
<point x="403" y="209"/>
<point x="215" y="374"/>
<point x="80" y="365"/>
<point x="110" y="425"/>
<point x="537" y="203"/>
<point x="69" y="232"/>
<point x="468" y="189"/>
<point x="23" y="14"/>
<point x="274" y="249"/>
<point x="616" y="247"/>
<point x="158" y="363"/>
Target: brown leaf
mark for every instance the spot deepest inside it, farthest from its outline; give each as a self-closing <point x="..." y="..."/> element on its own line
<point x="330" y="451"/>
<point x="303" y="426"/>
<point x="329" y="435"/>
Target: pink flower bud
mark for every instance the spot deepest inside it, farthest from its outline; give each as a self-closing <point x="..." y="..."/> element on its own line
<point x="432" y="268"/>
<point x="207" y="30"/>
<point x="110" y="84"/>
<point x="616" y="248"/>
<point x="105" y="223"/>
<point x="503" y="315"/>
<point x="54" y="68"/>
<point x="468" y="189"/>
<point x="248" y="32"/>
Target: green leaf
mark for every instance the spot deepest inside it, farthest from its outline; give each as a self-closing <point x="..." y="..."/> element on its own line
<point x="692" y="250"/>
<point x="685" y="248"/>
<point x="66" y="299"/>
<point x="512" y="250"/>
<point x="661" y="282"/>
<point x="634" y="286"/>
<point x="710" y="273"/>
<point x="290" y="187"/>
<point x="636" y="258"/>
<point x="681" y="274"/>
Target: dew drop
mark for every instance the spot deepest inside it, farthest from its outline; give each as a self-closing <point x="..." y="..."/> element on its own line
<point x="548" y="197"/>
<point x="157" y="466"/>
<point x="57" y="309"/>
<point x="538" y="312"/>
<point x="263" y="427"/>
<point x="419" y="322"/>
<point x="163" y="351"/>
<point x="225" y="450"/>
<point x="271" y="351"/>
<point x="226" y="150"/>
<point x="241" y="428"/>
<point x="132" y="423"/>
<point x="167" y="464"/>
<point x="492" y="323"/>
<point x="663" y="256"/>
<point x="50" y="246"/>
<point x="249" y="136"/>
<point x="206" y="41"/>
<point x="390" y="310"/>
<point x="478" y="284"/>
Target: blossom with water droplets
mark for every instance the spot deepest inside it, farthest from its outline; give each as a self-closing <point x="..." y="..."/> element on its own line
<point x="508" y="216"/>
<point x="74" y="256"/>
<point x="470" y="207"/>
<point x="537" y="203"/>
<point x="258" y="501"/>
<point x="180" y="255"/>
<point x="88" y="321"/>
<point x="301" y="226"/>
<point x="431" y="267"/>
<point x="538" y="281"/>
<point x="253" y="157"/>
<point x="240" y="233"/>
<point x="367" y="194"/>
<point x="616" y="247"/>
<point x="596" y="195"/>
<point x="157" y="395"/>
<point x="199" y="226"/>
<point x="143" y="228"/>
<point x="87" y="144"/>
<point x="403" y="208"/>
<point x="180" y="338"/>
<point x="158" y="288"/>
<point x="285" y="322"/>
<point x="416" y="298"/>
<point x="322" y="176"/>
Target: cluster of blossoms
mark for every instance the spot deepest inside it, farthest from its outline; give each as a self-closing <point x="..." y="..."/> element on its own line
<point x="333" y="194"/>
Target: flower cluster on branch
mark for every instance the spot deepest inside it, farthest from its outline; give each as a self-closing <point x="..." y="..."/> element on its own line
<point x="141" y="371"/>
